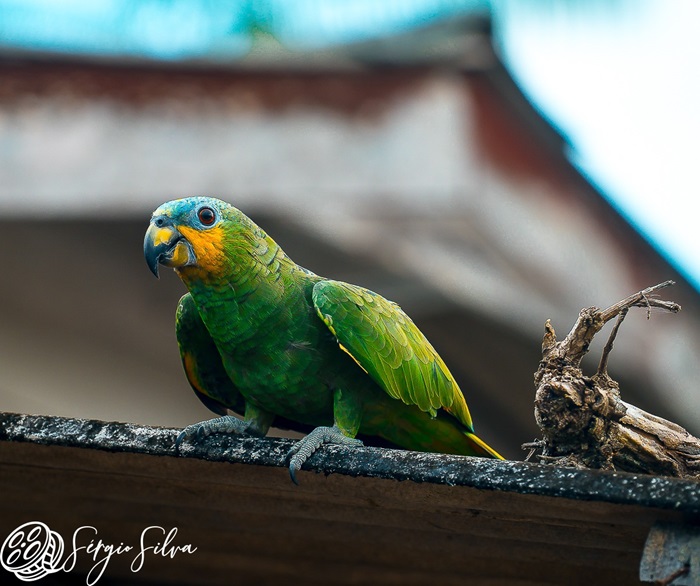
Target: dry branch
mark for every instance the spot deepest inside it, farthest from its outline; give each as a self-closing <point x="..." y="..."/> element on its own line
<point x="584" y="421"/>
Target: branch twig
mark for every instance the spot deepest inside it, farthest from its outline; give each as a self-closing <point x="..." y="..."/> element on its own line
<point x="641" y="299"/>
<point x="592" y="320"/>
<point x="584" y="421"/>
<point x="603" y="365"/>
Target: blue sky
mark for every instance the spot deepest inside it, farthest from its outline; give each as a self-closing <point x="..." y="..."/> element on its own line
<point x="619" y="78"/>
<point x="622" y="82"/>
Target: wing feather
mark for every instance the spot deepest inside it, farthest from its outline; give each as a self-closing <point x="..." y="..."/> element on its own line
<point x="386" y="343"/>
<point x="202" y="361"/>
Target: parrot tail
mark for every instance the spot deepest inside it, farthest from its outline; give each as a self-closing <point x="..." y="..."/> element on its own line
<point x="481" y="448"/>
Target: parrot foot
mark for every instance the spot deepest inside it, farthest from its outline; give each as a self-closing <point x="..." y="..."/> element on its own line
<point x="306" y="446"/>
<point x="225" y="424"/>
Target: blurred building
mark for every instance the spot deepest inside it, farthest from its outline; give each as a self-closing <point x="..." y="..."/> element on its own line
<point x="412" y="165"/>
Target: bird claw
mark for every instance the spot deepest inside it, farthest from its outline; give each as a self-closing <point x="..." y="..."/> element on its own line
<point x="306" y="446"/>
<point x="225" y="424"/>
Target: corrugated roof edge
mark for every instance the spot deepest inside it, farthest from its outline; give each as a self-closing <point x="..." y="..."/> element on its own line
<point x="483" y="474"/>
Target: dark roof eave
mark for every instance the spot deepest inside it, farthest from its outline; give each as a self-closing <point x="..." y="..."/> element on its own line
<point x="439" y="469"/>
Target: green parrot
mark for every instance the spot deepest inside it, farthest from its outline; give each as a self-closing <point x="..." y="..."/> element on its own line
<point x="265" y="338"/>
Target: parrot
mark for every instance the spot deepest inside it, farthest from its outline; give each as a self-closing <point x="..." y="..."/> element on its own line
<point x="274" y="343"/>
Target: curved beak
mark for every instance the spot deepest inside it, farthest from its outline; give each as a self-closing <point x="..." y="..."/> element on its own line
<point x="163" y="244"/>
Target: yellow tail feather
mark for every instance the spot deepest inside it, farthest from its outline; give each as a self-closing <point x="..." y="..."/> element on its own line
<point x="482" y="448"/>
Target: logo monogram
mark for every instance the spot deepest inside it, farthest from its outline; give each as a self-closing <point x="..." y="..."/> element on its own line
<point x="32" y="551"/>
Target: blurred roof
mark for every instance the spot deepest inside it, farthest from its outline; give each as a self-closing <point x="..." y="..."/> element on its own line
<point x="430" y="180"/>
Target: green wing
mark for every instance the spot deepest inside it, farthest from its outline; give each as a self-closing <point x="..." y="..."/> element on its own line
<point x="384" y="341"/>
<point x="202" y="361"/>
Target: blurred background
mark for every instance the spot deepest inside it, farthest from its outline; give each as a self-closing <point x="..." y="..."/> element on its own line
<point x="486" y="164"/>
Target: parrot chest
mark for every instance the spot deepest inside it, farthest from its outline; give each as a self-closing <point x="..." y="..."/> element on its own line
<point x="277" y="352"/>
<point x="290" y="381"/>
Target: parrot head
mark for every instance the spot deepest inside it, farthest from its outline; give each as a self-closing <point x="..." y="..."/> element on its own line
<point x="190" y="234"/>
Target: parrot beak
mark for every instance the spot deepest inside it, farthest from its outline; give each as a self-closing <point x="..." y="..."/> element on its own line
<point x="163" y="244"/>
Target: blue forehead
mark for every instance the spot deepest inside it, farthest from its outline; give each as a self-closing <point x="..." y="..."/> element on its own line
<point x="183" y="208"/>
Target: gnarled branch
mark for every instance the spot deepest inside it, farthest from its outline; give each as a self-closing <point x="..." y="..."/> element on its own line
<point x="584" y="421"/>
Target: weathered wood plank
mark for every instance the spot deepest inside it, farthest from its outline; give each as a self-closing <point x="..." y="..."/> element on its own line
<point x="382" y="517"/>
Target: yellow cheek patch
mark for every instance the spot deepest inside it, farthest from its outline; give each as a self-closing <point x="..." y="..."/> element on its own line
<point x="163" y="236"/>
<point x="208" y="247"/>
<point x="179" y="256"/>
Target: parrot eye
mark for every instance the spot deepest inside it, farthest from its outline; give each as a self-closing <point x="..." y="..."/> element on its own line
<point x="206" y="216"/>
